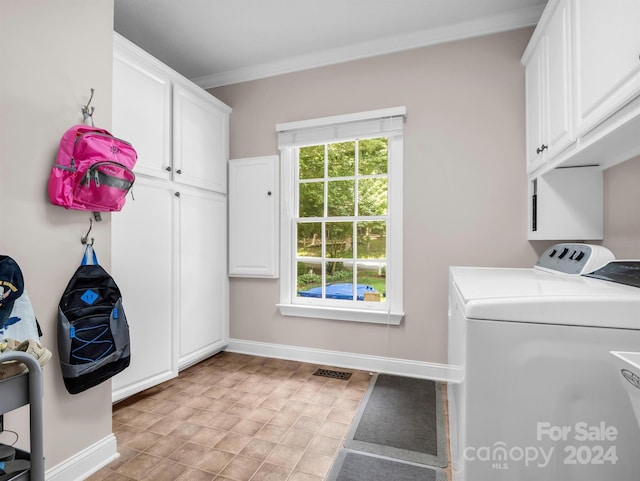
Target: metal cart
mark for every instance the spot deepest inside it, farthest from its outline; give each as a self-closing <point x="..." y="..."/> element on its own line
<point x="18" y="391"/>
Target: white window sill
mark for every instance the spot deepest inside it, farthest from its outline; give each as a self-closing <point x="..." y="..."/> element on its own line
<point x="341" y="314"/>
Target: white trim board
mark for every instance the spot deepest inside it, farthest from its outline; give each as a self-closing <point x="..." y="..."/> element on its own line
<point x="474" y="28"/>
<point x="387" y="365"/>
<point x="88" y="461"/>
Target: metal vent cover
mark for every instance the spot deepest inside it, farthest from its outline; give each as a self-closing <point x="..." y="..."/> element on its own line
<point x="332" y="374"/>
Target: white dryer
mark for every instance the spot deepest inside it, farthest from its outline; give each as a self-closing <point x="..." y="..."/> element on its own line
<point x="538" y="398"/>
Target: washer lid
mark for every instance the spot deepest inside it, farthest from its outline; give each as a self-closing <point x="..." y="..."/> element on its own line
<point x="532" y="295"/>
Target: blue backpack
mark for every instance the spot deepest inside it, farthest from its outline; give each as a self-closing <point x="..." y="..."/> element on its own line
<point x="93" y="333"/>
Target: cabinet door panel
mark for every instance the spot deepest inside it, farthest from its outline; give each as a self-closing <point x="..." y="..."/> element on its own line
<point x="142" y="265"/>
<point x="203" y="275"/>
<point x="142" y="111"/>
<point x="200" y="145"/>
<point x="560" y="130"/>
<point x="608" y="64"/>
<point x="253" y="217"/>
<point x="535" y="104"/>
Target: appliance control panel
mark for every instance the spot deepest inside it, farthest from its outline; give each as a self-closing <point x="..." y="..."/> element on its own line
<point x="623" y="272"/>
<point x="574" y="258"/>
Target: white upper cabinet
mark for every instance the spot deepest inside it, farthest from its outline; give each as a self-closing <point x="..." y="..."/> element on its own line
<point x="142" y="109"/>
<point x="607" y="58"/>
<point x="583" y="85"/>
<point x="200" y="133"/>
<point x="179" y="130"/>
<point x="548" y="95"/>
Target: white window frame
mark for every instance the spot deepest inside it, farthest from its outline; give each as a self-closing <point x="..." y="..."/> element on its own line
<point x="378" y="123"/>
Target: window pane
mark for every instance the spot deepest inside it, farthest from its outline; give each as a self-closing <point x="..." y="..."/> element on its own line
<point x="342" y="159"/>
<point x="341" y="198"/>
<point x="372" y="280"/>
<point x="311" y="161"/>
<point x="309" y="280"/>
<point x="372" y="196"/>
<point x="372" y="240"/>
<point x="311" y="199"/>
<point x="339" y="281"/>
<point x="339" y="238"/>
<point x="373" y="156"/>
<point x="310" y="239"/>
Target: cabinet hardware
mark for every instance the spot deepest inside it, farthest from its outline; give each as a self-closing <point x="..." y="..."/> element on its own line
<point x="177" y="194"/>
<point x="179" y="171"/>
<point x="269" y="193"/>
<point x="541" y="149"/>
<point x="168" y="169"/>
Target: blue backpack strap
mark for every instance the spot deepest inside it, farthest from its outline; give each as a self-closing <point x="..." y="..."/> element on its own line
<point x="89" y="257"/>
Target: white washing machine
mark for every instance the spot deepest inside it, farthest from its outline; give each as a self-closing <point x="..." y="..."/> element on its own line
<point x="538" y="397"/>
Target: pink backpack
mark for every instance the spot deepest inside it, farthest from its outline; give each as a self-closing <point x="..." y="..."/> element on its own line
<point x="93" y="170"/>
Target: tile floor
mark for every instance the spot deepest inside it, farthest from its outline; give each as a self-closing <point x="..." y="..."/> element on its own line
<point x="235" y="417"/>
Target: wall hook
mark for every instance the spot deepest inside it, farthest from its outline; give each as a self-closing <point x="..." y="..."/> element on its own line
<point x="84" y="239"/>
<point x="87" y="113"/>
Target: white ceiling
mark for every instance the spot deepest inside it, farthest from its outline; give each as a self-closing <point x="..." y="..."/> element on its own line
<point x="219" y="42"/>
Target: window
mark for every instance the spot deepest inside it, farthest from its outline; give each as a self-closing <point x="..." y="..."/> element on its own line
<point x="342" y="217"/>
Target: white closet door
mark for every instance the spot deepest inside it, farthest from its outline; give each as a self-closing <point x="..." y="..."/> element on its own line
<point x="142" y="266"/>
<point x="200" y="139"/>
<point x="253" y="217"/>
<point x="142" y="108"/>
<point x="203" y="282"/>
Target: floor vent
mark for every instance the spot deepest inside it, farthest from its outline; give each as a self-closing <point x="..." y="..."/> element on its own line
<point x="332" y="374"/>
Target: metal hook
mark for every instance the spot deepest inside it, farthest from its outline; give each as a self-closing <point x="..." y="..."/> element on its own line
<point x="87" y="113"/>
<point x="85" y="237"/>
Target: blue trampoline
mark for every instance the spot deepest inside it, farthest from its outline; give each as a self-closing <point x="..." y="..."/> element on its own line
<point x="341" y="290"/>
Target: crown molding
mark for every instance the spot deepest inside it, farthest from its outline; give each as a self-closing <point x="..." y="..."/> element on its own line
<point x="424" y="38"/>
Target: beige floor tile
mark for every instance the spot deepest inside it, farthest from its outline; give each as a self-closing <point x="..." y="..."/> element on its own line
<point x="271" y="472"/>
<point x="214" y="461"/>
<point x="314" y="464"/>
<point x="285" y="456"/>
<point x="241" y="468"/>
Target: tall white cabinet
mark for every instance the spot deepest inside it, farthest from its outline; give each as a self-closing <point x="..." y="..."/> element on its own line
<point x="169" y="247"/>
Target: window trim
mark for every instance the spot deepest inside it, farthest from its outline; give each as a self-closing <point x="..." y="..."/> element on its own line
<point x="387" y="123"/>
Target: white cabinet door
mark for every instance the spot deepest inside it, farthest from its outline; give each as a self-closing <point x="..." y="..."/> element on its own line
<point x="203" y="283"/>
<point x="566" y="204"/>
<point x="607" y="58"/>
<point x="142" y="265"/>
<point x="200" y="129"/>
<point x="253" y="217"/>
<point x="535" y="106"/>
<point x="142" y="108"/>
<point x="548" y="90"/>
<point x="558" y="82"/>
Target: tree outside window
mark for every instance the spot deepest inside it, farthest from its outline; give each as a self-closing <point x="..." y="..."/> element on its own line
<point x="341" y="222"/>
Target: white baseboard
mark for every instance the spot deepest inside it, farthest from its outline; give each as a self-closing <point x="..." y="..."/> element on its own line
<point x="86" y="462"/>
<point x="388" y="365"/>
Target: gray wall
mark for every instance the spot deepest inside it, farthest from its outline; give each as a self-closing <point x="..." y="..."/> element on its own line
<point x="51" y="54"/>
<point x="464" y="185"/>
<point x="621" y="202"/>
